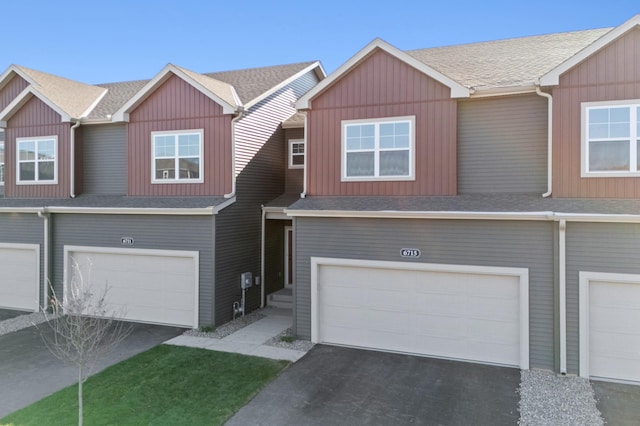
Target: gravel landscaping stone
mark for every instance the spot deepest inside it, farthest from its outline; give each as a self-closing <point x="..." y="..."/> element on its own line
<point x="23" y="321"/>
<point x="549" y="399"/>
<point x="229" y="328"/>
<point x="296" y="344"/>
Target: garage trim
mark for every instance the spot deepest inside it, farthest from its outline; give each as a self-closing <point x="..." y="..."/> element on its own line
<point x="584" y="280"/>
<point x="521" y="273"/>
<point x="144" y="252"/>
<point x="36" y="249"/>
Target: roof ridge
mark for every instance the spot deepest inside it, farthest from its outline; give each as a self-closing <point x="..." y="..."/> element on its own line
<point x="511" y="39"/>
<point x="263" y="68"/>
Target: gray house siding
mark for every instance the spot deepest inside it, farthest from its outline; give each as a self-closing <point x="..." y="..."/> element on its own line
<point x="502" y="145"/>
<point x="487" y="243"/>
<point x="19" y="228"/>
<point x="260" y="178"/>
<point x="596" y="247"/>
<point x="293" y="182"/>
<point x="105" y="159"/>
<point x="149" y="232"/>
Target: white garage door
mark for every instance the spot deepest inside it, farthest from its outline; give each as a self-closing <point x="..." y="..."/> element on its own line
<point x="461" y="312"/>
<point x="20" y="276"/>
<point x="155" y="286"/>
<point x="610" y="326"/>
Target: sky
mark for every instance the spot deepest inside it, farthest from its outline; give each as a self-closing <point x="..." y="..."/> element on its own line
<point x="119" y="40"/>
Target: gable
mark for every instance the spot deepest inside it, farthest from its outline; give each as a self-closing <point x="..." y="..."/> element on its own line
<point x="34" y="112"/>
<point x="381" y="78"/>
<point x="11" y="90"/>
<point x="618" y="62"/>
<point x="175" y="99"/>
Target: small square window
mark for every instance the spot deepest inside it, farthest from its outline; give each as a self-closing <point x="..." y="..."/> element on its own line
<point x="296" y="154"/>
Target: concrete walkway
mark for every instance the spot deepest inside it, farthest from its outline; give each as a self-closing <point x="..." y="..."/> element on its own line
<point x="251" y="339"/>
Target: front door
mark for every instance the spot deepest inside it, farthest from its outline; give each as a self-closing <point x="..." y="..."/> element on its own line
<point x="288" y="257"/>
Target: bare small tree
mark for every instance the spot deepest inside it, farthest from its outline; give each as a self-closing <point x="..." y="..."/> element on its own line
<point x="84" y="327"/>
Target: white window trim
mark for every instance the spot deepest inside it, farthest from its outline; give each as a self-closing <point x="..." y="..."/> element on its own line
<point x="304" y="155"/>
<point x="55" y="161"/>
<point x="200" y="153"/>
<point x="633" y="137"/>
<point x="412" y="149"/>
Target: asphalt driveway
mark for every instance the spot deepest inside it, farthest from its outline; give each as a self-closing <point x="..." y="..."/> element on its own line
<point x="28" y="371"/>
<point x="344" y="386"/>
<point x="618" y="403"/>
<point x="10" y="313"/>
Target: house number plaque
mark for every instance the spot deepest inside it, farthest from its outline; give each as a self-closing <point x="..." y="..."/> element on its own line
<point x="410" y="252"/>
<point x="126" y="241"/>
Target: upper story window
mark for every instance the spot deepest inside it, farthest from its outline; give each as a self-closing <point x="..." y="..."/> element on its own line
<point x="296" y="154"/>
<point x="378" y="149"/>
<point x="177" y="156"/>
<point x="36" y="160"/>
<point x="611" y="139"/>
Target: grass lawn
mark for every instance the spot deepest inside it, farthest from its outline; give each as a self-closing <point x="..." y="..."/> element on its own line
<point x="167" y="385"/>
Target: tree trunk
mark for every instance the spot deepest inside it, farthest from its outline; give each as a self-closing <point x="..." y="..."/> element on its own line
<point x="80" y="396"/>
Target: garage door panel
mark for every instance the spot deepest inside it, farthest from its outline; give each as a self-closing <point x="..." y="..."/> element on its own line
<point x="143" y="285"/>
<point x="473" y="316"/>
<point x="20" y="277"/>
<point x="613" y="310"/>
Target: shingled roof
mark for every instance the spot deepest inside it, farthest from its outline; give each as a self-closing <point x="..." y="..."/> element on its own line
<point x="504" y="63"/>
<point x="71" y="97"/>
<point x="249" y="84"/>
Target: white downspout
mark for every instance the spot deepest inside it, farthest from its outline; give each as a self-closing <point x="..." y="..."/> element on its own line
<point x="262" y="238"/>
<point x="72" y="154"/>
<point x="233" y="153"/>
<point x="306" y="157"/>
<point x="562" y="294"/>
<point x="42" y="213"/>
<point x="549" y="139"/>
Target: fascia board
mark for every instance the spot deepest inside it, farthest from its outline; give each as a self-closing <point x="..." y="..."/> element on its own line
<point x="123" y="113"/>
<point x="552" y="78"/>
<point x="203" y="211"/>
<point x="22" y="99"/>
<point x="4" y="77"/>
<point x="457" y="90"/>
<point x="542" y="215"/>
<point x="284" y="83"/>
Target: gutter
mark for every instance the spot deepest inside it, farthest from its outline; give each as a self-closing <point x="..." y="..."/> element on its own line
<point x="72" y="162"/>
<point x="306" y="150"/>
<point x="240" y="113"/>
<point x="43" y="214"/>
<point x="549" y="139"/>
<point x="262" y="245"/>
<point x="562" y="294"/>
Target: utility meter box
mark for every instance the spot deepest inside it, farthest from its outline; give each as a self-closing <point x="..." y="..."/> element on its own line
<point x="246" y="280"/>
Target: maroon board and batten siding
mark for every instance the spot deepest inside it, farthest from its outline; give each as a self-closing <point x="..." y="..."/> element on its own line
<point x="176" y="105"/>
<point x="11" y="89"/>
<point x="36" y="119"/>
<point x="613" y="73"/>
<point x="383" y="86"/>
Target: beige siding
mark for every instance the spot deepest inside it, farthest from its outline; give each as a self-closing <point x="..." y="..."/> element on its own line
<point x="36" y="119"/>
<point x="611" y="74"/>
<point x="178" y="106"/>
<point x="383" y="86"/>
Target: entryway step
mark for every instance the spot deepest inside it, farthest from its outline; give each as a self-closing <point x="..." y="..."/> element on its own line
<point x="282" y="298"/>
